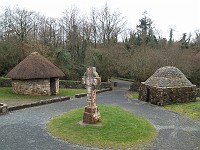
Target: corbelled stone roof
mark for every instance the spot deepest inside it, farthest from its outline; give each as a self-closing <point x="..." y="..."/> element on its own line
<point x="168" y="77"/>
<point x="35" y="66"/>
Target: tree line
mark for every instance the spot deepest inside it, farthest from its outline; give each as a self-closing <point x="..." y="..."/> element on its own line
<point x="101" y="39"/>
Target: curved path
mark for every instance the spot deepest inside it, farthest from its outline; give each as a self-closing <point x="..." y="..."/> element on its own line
<point x="26" y="129"/>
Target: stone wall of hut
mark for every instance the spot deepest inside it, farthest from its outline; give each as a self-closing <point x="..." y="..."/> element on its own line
<point x="32" y="87"/>
<point x="167" y="95"/>
<point x="56" y="87"/>
<point x="143" y="92"/>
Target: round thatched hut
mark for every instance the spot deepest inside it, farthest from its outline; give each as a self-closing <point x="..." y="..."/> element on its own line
<point x="35" y="75"/>
<point x="167" y="85"/>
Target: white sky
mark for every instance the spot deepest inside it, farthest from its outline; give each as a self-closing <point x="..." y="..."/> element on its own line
<point x="182" y="15"/>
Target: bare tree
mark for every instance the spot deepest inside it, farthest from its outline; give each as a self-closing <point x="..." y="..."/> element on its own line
<point x="4" y="24"/>
<point x="49" y="32"/>
<point x="94" y="26"/>
<point x="21" y="22"/>
<point x="71" y="23"/>
<point x="110" y="25"/>
<point x="106" y="26"/>
<point x="18" y="24"/>
<point x="86" y="30"/>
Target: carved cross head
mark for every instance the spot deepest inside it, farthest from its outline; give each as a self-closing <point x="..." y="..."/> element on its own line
<point x="91" y="77"/>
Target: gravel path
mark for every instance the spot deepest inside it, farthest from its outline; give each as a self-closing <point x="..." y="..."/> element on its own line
<point x="26" y="129"/>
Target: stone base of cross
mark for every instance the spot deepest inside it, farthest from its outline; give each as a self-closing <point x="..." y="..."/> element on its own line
<point x="91" y="115"/>
<point x="91" y="80"/>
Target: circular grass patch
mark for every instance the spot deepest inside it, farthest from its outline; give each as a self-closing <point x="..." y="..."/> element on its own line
<point x="119" y="129"/>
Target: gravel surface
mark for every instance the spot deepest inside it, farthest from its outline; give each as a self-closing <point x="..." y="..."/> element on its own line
<point x="26" y="129"/>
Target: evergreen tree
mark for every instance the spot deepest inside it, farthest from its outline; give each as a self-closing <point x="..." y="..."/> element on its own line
<point x="145" y="34"/>
<point x="171" y="36"/>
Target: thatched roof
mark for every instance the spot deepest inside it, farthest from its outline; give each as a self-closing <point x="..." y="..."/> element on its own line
<point x="168" y="77"/>
<point x="35" y="66"/>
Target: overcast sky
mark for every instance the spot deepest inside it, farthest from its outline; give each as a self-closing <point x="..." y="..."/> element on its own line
<point x="182" y="15"/>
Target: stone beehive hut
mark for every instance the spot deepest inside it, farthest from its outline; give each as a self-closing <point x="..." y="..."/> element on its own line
<point x="167" y="85"/>
<point x="35" y="75"/>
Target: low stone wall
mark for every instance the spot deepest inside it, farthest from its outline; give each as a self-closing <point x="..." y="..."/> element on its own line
<point x="70" y="84"/>
<point x="134" y="87"/>
<point x="62" y="84"/>
<point x="198" y="92"/>
<point x="41" y="102"/>
<point x="78" y="84"/>
<point x="105" y="85"/>
<point x="32" y="87"/>
<point x="98" y="91"/>
<point x="4" y="82"/>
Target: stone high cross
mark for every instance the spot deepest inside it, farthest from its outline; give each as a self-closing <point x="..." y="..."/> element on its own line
<point x="91" y="80"/>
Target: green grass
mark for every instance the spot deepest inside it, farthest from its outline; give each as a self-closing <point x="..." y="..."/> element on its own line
<point x="7" y="94"/>
<point x="191" y="109"/>
<point x="70" y="92"/>
<point x="133" y="95"/>
<point x="118" y="78"/>
<point x="4" y="78"/>
<point x="120" y="129"/>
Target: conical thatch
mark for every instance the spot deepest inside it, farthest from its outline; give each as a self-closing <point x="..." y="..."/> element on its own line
<point x="35" y="66"/>
<point x="168" y="77"/>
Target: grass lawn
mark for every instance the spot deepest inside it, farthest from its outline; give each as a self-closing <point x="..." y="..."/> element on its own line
<point x="12" y="99"/>
<point x="7" y="94"/>
<point x="133" y="95"/>
<point x="70" y="92"/>
<point x="191" y="109"/>
<point x="119" y="129"/>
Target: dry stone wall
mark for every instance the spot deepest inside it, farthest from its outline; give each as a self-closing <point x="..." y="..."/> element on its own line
<point x="32" y="87"/>
<point x="78" y="84"/>
<point x="5" y="82"/>
<point x="168" y="95"/>
<point x="57" y="86"/>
